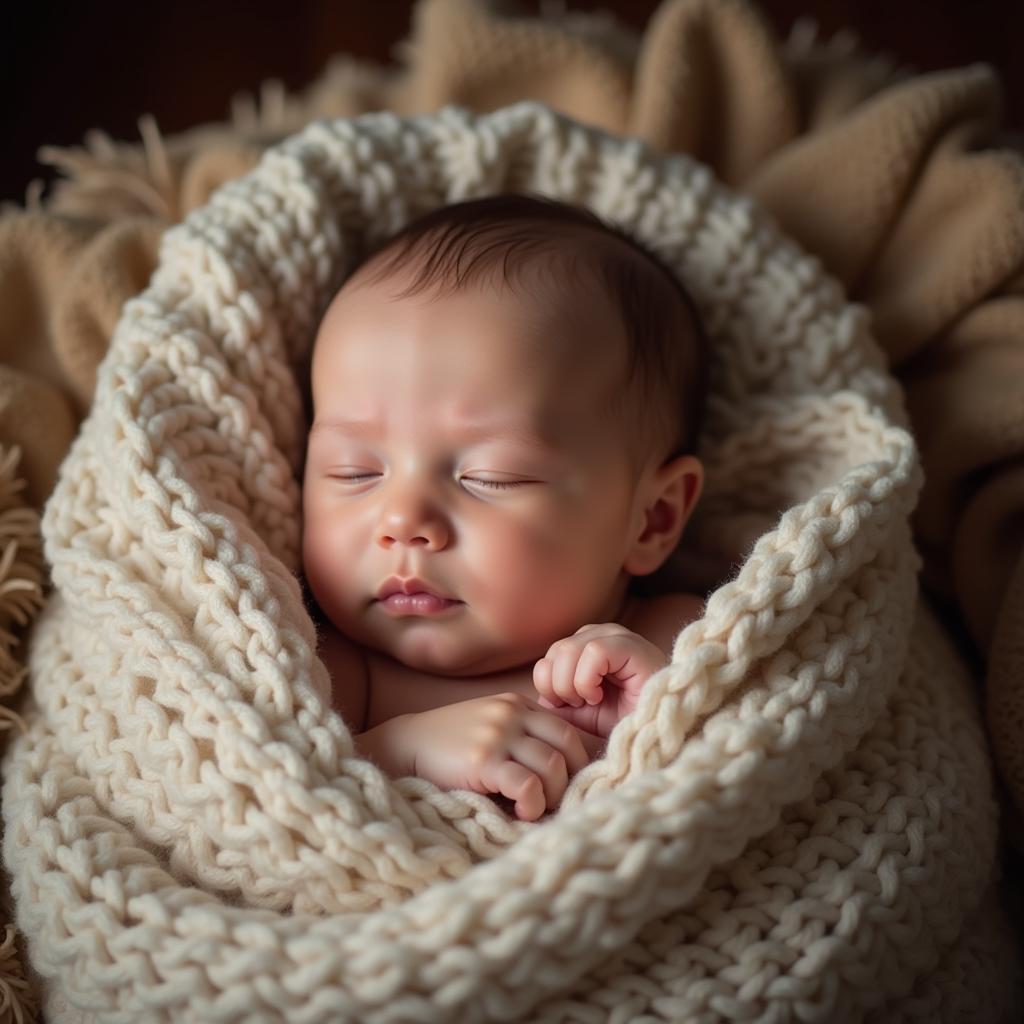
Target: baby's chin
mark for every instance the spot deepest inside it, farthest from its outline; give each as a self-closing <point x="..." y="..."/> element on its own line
<point x="454" y="661"/>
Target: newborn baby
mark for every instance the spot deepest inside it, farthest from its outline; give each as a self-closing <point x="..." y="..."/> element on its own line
<point x="506" y="397"/>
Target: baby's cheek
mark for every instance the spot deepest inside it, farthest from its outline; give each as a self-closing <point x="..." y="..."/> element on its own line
<point x="323" y="561"/>
<point x="535" y="584"/>
<point x="516" y="561"/>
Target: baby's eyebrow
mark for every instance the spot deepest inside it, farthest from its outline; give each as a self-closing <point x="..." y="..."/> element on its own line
<point x="340" y="425"/>
<point x="480" y="430"/>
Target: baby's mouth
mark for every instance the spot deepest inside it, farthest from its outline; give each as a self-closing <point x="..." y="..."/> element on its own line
<point x="413" y="596"/>
<point x="419" y="603"/>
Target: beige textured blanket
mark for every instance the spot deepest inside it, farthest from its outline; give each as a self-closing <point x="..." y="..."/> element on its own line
<point x="189" y="832"/>
<point x="892" y="182"/>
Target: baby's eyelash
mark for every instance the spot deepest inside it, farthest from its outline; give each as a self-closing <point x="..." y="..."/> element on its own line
<point x="499" y="485"/>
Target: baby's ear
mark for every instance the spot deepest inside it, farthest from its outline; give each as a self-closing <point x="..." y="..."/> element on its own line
<point x="667" y="499"/>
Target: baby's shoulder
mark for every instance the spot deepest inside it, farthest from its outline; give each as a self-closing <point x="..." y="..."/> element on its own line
<point x="350" y="677"/>
<point x="663" y="617"/>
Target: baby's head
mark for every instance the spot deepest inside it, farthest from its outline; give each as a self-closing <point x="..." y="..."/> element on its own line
<point x="506" y="398"/>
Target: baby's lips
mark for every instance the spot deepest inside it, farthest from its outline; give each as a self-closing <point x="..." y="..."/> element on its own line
<point x="419" y="603"/>
<point x="410" y="585"/>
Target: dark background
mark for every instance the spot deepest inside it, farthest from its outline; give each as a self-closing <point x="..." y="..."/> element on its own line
<point x="69" y="67"/>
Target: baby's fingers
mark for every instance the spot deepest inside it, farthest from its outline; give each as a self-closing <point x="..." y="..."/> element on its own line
<point x="564" y="661"/>
<point x="542" y="671"/>
<point x="546" y="762"/>
<point x="519" y="784"/>
<point x="592" y="667"/>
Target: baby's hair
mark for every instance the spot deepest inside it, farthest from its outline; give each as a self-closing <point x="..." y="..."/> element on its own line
<point x="495" y="238"/>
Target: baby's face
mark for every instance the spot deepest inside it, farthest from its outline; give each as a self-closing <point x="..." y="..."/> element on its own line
<point x="466" y="440"/>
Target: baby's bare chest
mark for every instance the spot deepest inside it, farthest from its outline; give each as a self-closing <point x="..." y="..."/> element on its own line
<point x="395" y="689"/>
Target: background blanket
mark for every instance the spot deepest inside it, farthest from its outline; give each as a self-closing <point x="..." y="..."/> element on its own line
<point x="892" y="181"/>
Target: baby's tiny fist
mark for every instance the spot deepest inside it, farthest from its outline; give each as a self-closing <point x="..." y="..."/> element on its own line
<point x="599" y="672"/>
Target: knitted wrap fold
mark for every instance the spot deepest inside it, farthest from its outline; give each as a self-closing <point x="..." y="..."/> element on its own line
<point x="796" y="822"/>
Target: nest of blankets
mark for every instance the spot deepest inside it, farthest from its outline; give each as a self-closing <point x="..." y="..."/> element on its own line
<point x="797" y="822"/>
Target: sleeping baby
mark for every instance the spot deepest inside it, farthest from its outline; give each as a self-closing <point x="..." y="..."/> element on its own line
<point x="506" y="399"/>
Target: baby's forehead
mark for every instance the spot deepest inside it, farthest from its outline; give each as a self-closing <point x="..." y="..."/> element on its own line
<point x="546" y="319"/>
<point x="537" y="337"/>
<point x="539" y="302"/>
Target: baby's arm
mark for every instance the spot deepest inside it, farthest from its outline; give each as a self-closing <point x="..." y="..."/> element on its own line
<point x="390" y="745"/>
<point x="387" y="746"/>
<point x="505" y="744"/>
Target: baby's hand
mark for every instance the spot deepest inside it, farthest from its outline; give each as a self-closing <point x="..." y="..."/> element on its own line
<point x="505" y="744"/>
<point x="575" y="670"/>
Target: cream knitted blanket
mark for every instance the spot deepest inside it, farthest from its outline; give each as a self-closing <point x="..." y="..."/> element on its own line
<point x="796" y="822"/>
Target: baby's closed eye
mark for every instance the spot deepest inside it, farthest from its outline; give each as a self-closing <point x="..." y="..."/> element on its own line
<point x="496" y="484"/>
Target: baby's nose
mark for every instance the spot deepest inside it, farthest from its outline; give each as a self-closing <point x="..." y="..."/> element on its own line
<point x="412" y="523"/>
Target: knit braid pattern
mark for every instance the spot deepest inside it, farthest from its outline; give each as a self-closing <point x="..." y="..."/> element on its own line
<point x="797" y="821"/>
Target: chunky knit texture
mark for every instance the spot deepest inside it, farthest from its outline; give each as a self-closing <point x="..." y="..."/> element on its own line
<point x="797" y="821"/>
